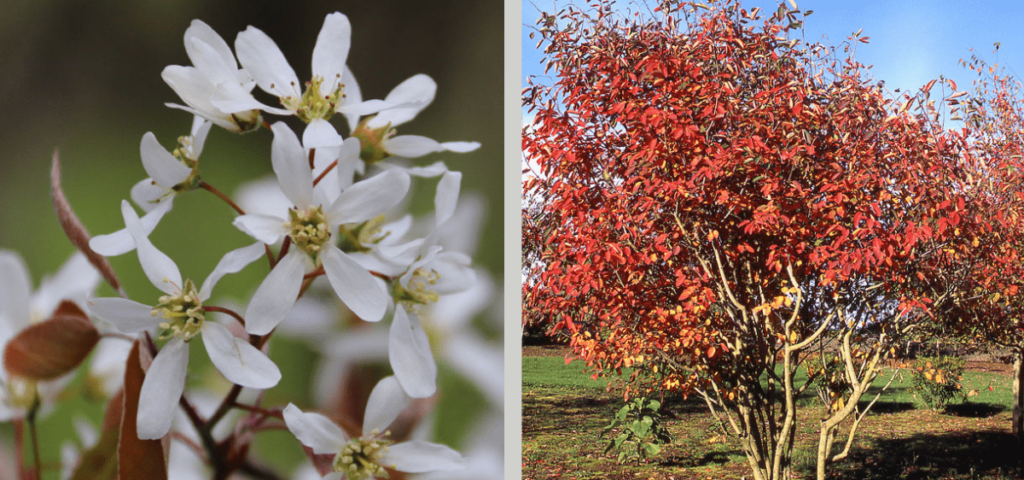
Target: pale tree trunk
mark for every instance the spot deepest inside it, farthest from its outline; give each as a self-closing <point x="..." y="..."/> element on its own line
<point x="1018" y="399"/>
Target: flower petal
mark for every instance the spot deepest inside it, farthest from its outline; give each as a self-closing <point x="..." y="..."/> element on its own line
<point x="411" y="146"/>
<point x="163" y="273"/>
<point x="121" y="242"/>
<point x="199" y="30"/>
<point x="291" y="166"/>
<point x="206" y="58"/>
<point x="331" y="50"/>
<point x="239" y="362"/>
<point x="320" y="133"/>
<point x="429" y="171"/>
<point x="263" y="59"/>
<point x="369" y="198"/>
<point x="478" y="361"/>
<point x="409" y="352"/>
<point x="128" y="316"/>
<point x="417" y="456"/>
<point x="166" y="170"/>
<point x="447" y="196"/>
<point x="276" y="295"/>
<point x="263" y="196"/>
<point x="314" y="430"/>
<point x="352" y="96"/>
<point x="265" y="228"/>
<point x="386" y="402"/>
<point x="233" y="262"/>
<point x="76" y="280"/>
<point x="147" y="194"/>
<point x="356" y="287"/>
<point x="15" y="291"/>
<point x="414" y="94"/>
<point x="161" y="390"/>
<point x="200" y="129"/>
<point x="460" y="147"/>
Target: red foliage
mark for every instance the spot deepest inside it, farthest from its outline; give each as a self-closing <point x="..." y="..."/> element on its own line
<point x="685" y="163"/>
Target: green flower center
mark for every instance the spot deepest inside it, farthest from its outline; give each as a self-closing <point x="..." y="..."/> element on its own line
<point x="21" y="393"/>
<point x="371" y="141"/>
<point x="315" y="104"/>
<point x="361" y="457"/>
<point x="183" y="311"/>
<point x="357" y="238"/>
<point x="309" y="230"/>
<point x="418" y="291"/>
<point x="185" y="154"/>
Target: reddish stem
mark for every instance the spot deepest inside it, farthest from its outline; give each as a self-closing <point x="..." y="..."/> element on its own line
<point x="324" y="173"/>
<point x="276" y="413"/>
<point x="19" y="447"/>
<point x="312" y="155"/>
<point x="214" y="308"/>
<point x="227" y="199"/>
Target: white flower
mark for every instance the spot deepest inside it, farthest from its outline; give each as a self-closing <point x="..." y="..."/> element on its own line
<point x="310" y="226"/>
<point x="170" y="173"/>
<point x="19" y="307"/>
<point x="366" y="457"/>
<point x="377" y="134"/>
<point x="324" y="94"/>
<point x="182" y="319"/>
<point x="215" y="88"/>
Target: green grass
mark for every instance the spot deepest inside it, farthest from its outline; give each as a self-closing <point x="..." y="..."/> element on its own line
<point x="564" y="410"/>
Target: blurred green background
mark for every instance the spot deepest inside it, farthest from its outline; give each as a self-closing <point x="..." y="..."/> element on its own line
<point x="84" y="78"/>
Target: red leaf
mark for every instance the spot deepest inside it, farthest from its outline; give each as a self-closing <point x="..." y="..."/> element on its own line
<point x="54" y="347"/>
<point x="138" y="459"/>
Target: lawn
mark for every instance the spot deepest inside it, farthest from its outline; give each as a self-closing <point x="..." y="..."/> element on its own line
<point x="564" y="410"/>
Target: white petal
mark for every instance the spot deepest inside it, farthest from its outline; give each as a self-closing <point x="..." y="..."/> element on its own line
<point x="386" y="401"/>
<point x="264" y="61"/>
<point x="206" y="58"/>
<point x="240" y="362"/>
<point x="352" y="109"/>
<point x="162" y="272"/>
<point x="291" y="165"/>
<point x="460" y="147"/>
<point x="415" y="94"/>
<point x="369" y="198"/>
<point x="230" y="100"/>
<point x="200" y="129"/>
<point x="331" y="50"/>
<point x="354" y="285"/>
<point x="76" y="280"/>
<point x="218" y="118"/>
<point x="417" y="456"/>
<point x="276" y="295"/>
<point x="447" y="196"/>
<point x="128" y="316"/>
<point x="194" y="89"/>
<point x="232" y="262"/>
<point x="352" y="96"/>
<point x="320" y="133"/>
<point x="265" y="228"/>
<point x="166" y="170"/>
<point x="411" y="360"/>
<point x="429" y="171"/>
<point x="147" y="194"/>
<point x="201" y="31"/>
<point x="348" y="159"/>
<point x="15" y="290"/>
<point x="478" y="361"/>
<point x="263" y="196"/>
<point x="161" y="390"/>
<point x="121" y="242"/>
<point x="411" y="146"/>
<point x="455" y="273"/>
<point x="315" y="431"/>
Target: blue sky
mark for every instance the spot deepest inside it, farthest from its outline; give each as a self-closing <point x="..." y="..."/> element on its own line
<point x="911" y="42"/>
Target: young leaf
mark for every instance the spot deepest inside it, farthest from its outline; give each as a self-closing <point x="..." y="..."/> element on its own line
<point x="138" y="459"/>
<point x="54" y="347"/>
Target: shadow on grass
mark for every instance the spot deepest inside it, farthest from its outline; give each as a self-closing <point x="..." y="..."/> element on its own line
<point x="880" y="407"/>
<point x="709" y="458"/>
<point x="975" y="410"/>
<point x="984" y="454"/>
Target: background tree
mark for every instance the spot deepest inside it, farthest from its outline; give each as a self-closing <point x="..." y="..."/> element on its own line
<point x="720" y="198"/>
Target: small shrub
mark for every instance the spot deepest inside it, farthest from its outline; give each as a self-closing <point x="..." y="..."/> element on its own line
<point x="936" y="380"/>
<point x="642" y="432"/>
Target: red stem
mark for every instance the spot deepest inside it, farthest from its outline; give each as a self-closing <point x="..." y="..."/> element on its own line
<point x="211" y="189"/>
<point x="324" y="173"/>
<point x="214" y="308"/>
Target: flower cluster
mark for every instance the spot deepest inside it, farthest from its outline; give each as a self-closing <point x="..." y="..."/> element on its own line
<point x="344" y="255"/>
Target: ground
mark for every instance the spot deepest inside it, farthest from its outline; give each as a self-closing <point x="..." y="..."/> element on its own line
<point x="564" y="411"/>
